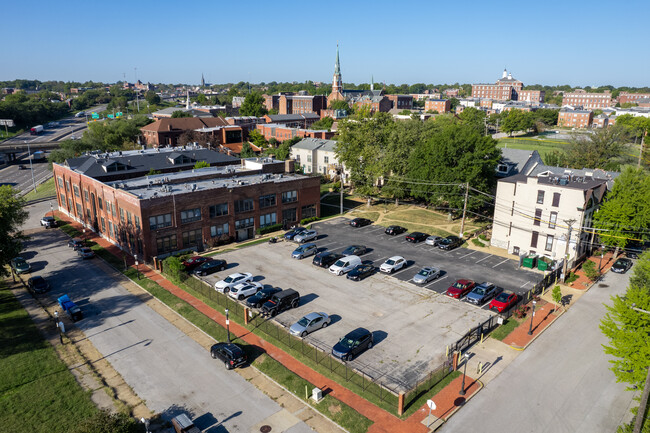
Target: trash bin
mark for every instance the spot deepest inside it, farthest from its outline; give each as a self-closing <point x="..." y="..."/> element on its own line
<point x="544" y="264"/>
<point x="530" y="261"/>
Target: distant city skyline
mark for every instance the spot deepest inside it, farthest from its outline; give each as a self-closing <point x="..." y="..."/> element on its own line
<point x="554" y="43"/>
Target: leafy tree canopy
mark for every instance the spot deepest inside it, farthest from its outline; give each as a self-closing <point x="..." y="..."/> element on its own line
<point x="339" y="105"/>
<point x="247" y="151"/>
<point x="324" y="123"/>
<point x="12" y="216"/>
<point x="253" y="105"/>
<point x="601" y="149"/>
<point x="201" y="164"/>
<point x="181" y="113"/>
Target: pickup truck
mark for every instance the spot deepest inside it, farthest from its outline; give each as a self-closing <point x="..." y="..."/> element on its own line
<point x="70" y="308"/>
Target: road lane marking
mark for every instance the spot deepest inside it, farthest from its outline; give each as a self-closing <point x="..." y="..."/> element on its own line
<point x="500" y="263"/>
<point x="524" y="285"/>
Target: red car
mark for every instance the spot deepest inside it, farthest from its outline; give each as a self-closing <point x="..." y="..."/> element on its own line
<point x="194" y="262"/>
<point x="503" y="301"/>
<point x="460" y="288"/>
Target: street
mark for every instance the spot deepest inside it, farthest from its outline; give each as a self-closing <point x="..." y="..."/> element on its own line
<point x="166" y="368"/>
<point x="21" y="180"/>
<point x="562" y="381"/>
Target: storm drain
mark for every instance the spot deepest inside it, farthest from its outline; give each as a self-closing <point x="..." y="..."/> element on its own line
<point x="265" y="429"/>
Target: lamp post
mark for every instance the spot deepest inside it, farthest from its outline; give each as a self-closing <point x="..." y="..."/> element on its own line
<point x="137" y="268"/>
<point x="462" y="388"/>
<point x="600" y="263"/>
<point x="29" y="156"/>
<point x="532" y="317"/>
<point x="228" y="325"/>
<point x="51" y="208"/>
<point x="84" y="231"/>
<point x="146" y="424"/>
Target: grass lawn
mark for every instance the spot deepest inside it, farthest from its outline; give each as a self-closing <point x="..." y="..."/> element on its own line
<point x="504" y="330"/>
<point x="544" y="147"/>
<point x="37" y="391"/>
<point x="46" y="189"/>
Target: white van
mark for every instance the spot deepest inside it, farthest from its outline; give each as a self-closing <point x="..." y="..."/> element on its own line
<point x="345" y="264"/>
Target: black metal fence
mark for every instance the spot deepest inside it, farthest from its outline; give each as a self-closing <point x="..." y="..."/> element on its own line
<point x="475" y="334"/>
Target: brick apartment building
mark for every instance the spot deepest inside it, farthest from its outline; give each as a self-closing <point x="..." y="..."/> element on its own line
<point x="301" y="104"/>
<point x="570" y="118"/>
<point x="154" y="216"/>
<point x="282" y="132"/>
<point x="505" y="89"/>
<point x="401" y="102"/>
<point x="626" y="97"/>
<point x="591" y="101"/>
<point x="451" y="93"/>
<point x="246" y="123"/>
<point x="439" y="105"/>
<point x="166" y="131"/>
<point x="293" y="120"/>
<point x="425" y="96"/>
<point x="532" y="96"/>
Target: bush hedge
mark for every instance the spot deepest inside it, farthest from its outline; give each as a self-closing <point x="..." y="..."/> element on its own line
<point x="269" y="229"/>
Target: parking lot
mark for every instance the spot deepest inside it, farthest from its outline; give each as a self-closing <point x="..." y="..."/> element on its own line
<point x="411" y="325"/>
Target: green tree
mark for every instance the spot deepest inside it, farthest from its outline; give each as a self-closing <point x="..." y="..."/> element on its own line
<point x="339" y="105"/>
<point x="474" y="117"/>
<point x="12" y="216"/>
<point x="253" y="105"/>
<point x="201" y="164"/>
<point x="602" y="149"/>
<point x="201" y="99"/>
<point x="625" y="213"/>
<point x="181" y="113"/>
<point x="247" y="151"/>
<point x="555" y="158"/>
<point x="324" y="123"/>
<point x="557" y="295"/>
<point x="516" y="120"/>
<point x="257" y="139"/>
<point x="628" y="329"/>
<point x="152" y="98"/>
<point x="153" y="172"/>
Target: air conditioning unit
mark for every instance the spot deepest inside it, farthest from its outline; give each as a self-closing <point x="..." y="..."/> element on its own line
<point x="316" y="394"/>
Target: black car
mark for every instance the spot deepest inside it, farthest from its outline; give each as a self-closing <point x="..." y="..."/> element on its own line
<point x="355" y="250"/>
<point x="326" y="259"/>
<point x="293" y="232"/>
<point x="352" y="344"/>
<point x="360" y="272"/>
<point x="258" y="299"/>
<point x="279" y="302"/>
<point x="416" y="237"/>
<point x="395" y="230"/>
<point x="450" y="242"/>
<point x="360" y="222"/>
<point x="194" y="262"/>
<point x="75" y="243"/>
<point x="38" y="284"/>
<point x="210" y="267"/>
<point x="621" y="265"/>
<point x="231" y="354"/>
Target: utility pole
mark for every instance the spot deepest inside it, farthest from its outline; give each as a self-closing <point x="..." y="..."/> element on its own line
<point x="341" y="190"/>
<point x="462" y="222"/>
<point x="566" y="248"/>
<point x="135" y="86"/>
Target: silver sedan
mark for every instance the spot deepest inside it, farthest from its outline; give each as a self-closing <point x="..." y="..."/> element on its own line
<point x="309" y="323"/>
<point x="426" y="274"/>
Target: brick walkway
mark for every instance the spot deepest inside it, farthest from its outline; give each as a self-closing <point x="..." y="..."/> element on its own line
<point x="544" y="316"/>
<point x="583" y="283"/>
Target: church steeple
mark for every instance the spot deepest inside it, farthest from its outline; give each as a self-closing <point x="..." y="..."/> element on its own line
<point x="202" y="81"/>
<point x="337" y="82"/>
<point x="372" y="82"/>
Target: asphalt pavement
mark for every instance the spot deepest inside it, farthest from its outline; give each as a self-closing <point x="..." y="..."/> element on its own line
<point x="561" y="383"/>
<point x="21" y="180"/>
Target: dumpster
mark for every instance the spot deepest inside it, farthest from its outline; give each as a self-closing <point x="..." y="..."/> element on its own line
<point x="529" y="261"/>
<point x="544" y="264"/>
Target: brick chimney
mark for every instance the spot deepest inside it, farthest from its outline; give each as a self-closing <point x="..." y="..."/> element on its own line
<point x="289" y="166"/>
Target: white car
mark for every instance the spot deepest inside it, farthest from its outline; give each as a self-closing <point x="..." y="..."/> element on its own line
<point x="48" y="221"/>
<point x="305" y="236"/>
<point x="244" y="290"/>
<point x="232" y="280"/>
<point x="393" y="264"/>
<point x="433" y="240"/>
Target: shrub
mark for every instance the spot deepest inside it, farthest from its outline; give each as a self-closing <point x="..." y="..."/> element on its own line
<point x="520" y="311"/>
<point x="269" y="229"/>
<point x="308" y="220"/>
<point x="483" y="237"/>
<point x="478" y="243"/>
<point x="557" y="295"/>
<point x="590" y="270"/>
<point x="174" y="266"/>
<point x="571" y="278"/>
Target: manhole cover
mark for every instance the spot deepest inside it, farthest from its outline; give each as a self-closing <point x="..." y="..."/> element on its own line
<point x="265" y="429"/>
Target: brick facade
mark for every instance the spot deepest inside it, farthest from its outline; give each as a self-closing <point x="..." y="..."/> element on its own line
<point x="586" y="100"/>
<point x="439" y="105"/>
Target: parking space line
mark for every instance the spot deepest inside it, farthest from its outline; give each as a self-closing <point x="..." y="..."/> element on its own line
<point x="436" y="281"/>
<point x="500" y="263"/>
<point x="379" y="260"/>
<point x="329" y="243"/>
<point x="395" y="273"/>
<point x="484" y="258"/>
<point x="524" y="285"/>
<point x="467" y="255"/>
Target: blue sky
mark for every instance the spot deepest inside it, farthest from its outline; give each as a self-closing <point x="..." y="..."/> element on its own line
<point x="551" y="42"/>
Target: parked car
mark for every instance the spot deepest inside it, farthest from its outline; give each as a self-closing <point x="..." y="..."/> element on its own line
<point x="230" y="354"/>
<point x="20" y="265"/>
<point x="355" y="250"/>
<point x="194" y="262"/>
<point x="48" y="222"/>
<point x="460" y="288"/>
<point x="38" y="284"/>
<point x="416" y="237"/>
<point x="353" y="344"/>
<point x="433" y="240"/>
<point x="360" y="222"/>
<point x="232" y="280"/>
<point x="210" y="267"/>
<point x="244" y="290"/>
<point x="304" y="250"/>
<point x="85" y="253"/>
<point x="426" y="274"/>
<point x="450" y="242"/>
<point x="482" y="293"/>
<point x="258" y="299"/>
<point x="326" y="259"/>
<point x="503" y="301"/>
<point x="70" y="308"/>
<point x="22" y="167"/>
<point x="621" y="265"/>
<point x="293" y="232"/>
<point x="360" y="272"/>
<point x="307" y="235"/>
<point x="394" y="230"/>
<point x="75" y="243"/>
<point x="393" y="264"/>
<point x="309" y="323"/>
<point x="182" y="423"/>
<point x="281" y="301"/>
<point x="345" y="264"/>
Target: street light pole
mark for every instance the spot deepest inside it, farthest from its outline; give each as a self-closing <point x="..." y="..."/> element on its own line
<point x="29" y="156"/>
<point x="462" y="388"/>
<point x="532" y="317"/>
<point x="600" y="264"/>
<point x="228" y="325"/>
